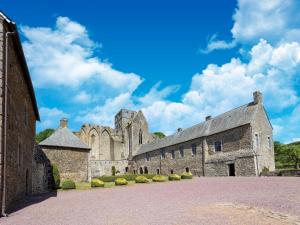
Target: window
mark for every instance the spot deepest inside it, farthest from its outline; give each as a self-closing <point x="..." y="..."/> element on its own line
<point x="162" y="153"/>
<point x="145" y="170"/>
<point x="181" y="150"/>
<point x="194" y="149"/>
<point x="141" y="170"/>
<point x="172" y="171"/>
<point x="126" y="169"/>
<point x="187" y="169"/>
<point x="173" y="154"/>
<point x="256" y="141"/>
<point x="269" y="142"/>
<point x="157" y="171"/>
<point x="140" y="137"/>
<point x="147" y="157"/>
<point x="218" y="146"/>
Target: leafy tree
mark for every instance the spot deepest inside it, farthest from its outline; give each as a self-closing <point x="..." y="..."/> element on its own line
<point x="160" y="135"/>
<point x="293" y="154"/>
<point x="43" y="135"/>
<point x="55" y="176"/>
<point x="287" y="155"/>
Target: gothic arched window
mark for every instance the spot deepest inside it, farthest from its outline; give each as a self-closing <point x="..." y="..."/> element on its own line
<point x="140" y="137"/>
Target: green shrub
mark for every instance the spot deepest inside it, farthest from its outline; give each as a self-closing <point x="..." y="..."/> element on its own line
<point x="128" y="177"/>
<point x="159" y="178"/>
<point x="68" y="184"/>
<point x="55" y="176"/>
<point x="121" y="181"/>
<point x="141" y="179"/>
<point x="174" y="177"/>
<point x="97" y="183"/>
<point x="186" y="175"/>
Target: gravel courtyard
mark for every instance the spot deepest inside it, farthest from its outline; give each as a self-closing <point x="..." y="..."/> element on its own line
<point x="225" y="200"/>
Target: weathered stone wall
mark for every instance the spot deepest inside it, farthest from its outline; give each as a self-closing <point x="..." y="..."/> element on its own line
<point x="263" y="128"/>
<point x="20" y="125"/>
<point x="104" y="167"/>
<point x="72" y="163"/>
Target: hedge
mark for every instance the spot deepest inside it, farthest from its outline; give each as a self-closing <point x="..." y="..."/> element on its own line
<point x="159" y="178"/>
<point x="141" y="179"/>
<point x="121" y="181"/>
<point x="97" y="183"/>
<point x="55" y="176"/>
<point x="129" y="177"/>
<point x="186" y="175"/>
<point x="174" y="177"/>
<point x="68" y="184"/>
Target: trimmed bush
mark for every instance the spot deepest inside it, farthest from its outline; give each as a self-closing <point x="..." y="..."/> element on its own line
<point x="97" y="183"/>
<point x="129" y="177"/>
<point x="55" y="176"/>
<point x="186" y="175"/>
<point x="141" y="179"/>
<point x="159" y="178"/>
<point x="174" y="177"/>
<point x="68" y="184"/>
<point x="121" y="181"/>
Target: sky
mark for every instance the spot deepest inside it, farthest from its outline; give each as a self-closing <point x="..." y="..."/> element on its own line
<point x="177" y="61"/>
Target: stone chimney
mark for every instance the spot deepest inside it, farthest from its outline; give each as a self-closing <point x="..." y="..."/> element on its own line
<point x="207" y="118"/>
<point x="63" y="123"/>
<point x="257" y="97"/>
<point x="179" y="129"/>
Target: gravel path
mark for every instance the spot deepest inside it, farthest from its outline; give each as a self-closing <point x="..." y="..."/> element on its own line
<point x="226" y="200"/>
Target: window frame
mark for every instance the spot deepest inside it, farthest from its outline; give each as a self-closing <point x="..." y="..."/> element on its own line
<point x="181" y="151"/>
<point x="221" y="146"/>
<point x="163" y="153"/>
<point x="147" y="157"/>
<point x="269" y="142"/>
<point x="173" y="155"/>
<point x="194" y="149"/>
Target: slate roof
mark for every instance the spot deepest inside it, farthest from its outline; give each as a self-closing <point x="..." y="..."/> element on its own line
<point x="63" y="137"/>
<point x="234" y="118"/>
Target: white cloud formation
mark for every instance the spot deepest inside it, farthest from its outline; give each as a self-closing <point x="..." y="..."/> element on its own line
<point x="50" y="117"/>
<point x="214" y="44"/>
<point x="83" y="98"/>
<point x="64" y="56"/>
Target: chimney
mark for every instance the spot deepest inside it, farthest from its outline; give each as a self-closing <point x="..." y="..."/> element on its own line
<point x="207" y="118"/>
<point x="257" y="97"/>
<point x="63" y="123"/>
<point x="179" y="129"/>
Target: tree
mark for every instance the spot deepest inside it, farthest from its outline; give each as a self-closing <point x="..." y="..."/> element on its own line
<point x="293" y="154"/>
<point x="43" y="135"/>
<point x="160" y="135"/>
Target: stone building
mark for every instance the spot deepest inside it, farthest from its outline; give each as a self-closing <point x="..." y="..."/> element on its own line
<point x="68" y="152"/>
<point x="115" y="147"/>
<point x="238" y="142"/>
<point x="18" y="115"/>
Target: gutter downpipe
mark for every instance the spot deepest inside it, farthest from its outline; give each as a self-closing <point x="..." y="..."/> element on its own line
<point x="5" y="126"/>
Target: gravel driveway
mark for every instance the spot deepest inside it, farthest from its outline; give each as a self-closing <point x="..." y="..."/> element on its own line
<point x="225" y="200"/>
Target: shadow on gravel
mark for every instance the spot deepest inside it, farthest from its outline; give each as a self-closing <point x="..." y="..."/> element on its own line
<point x="31" y="200"/>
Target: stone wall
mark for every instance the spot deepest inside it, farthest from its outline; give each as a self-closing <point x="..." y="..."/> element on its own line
<point x="20" y="125"/>
<point x="104" y="167"/>
<point x="72" y="163"/>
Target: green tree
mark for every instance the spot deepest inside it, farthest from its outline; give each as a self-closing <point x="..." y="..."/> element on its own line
<point x="160" y="135"/>
<point x="55" y="176"/>
<point x="292" y="152"/>
<point x="43" y="135"/>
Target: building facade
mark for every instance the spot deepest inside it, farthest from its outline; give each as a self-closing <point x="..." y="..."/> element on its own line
<point x="18" y="116"/>
<point x="236" y="143"/>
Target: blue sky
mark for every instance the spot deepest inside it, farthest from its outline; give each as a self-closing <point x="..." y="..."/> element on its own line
<point x="177" y="61"/>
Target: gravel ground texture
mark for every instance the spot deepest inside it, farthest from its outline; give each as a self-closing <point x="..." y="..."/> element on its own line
<point x="220" y="200"/>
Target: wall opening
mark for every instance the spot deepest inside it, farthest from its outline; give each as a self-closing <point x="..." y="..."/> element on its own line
<point x="187" y="169"/>
<point x="172" y="171"/>
<point x="141" y="170"/>
<point x="157" y="171"/>
<point x="231" y="169"/>
<point x="145" y="170"/>
<point x="126" y="169"/>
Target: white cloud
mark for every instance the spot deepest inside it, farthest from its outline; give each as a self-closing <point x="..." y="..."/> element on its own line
<point x="214" y="44"/>
<point x="50" y="117"/>
<point x="65" y="56"/>
<point x="83" y="98"/>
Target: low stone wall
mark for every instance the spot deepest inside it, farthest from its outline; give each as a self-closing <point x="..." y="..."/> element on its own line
<point x="104" y="167"/>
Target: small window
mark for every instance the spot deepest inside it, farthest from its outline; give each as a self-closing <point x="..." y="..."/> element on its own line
<point x="256" y="141"/>
<point x="218" y="146"/>
<point x="187" y="169"/>
<point x="141" y="170"/>
<point x="157" y="171"/>
<point x="172" y="171"/>
<point x="173" y="154"/>
<point x="181" y="150"/>
<point x="194" y="149"/>
<point x="269" y="142"/>
<point x="141" y="137"/>
<point x="145" y="170"/>
<point x="134" y="171"/>
<point x="126" y="169"/>
<point x="147" y="157"/>
<point x="163" y="153"/>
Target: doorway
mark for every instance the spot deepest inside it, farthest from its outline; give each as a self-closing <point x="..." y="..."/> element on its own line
<point x="231" y="169"/>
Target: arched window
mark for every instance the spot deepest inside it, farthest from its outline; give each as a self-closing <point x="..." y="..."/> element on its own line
<point x="145" y="170"/>
<point x="172" y="171"/>
<point x="187" y="170"/>
<point x="141" y="137"/>
<point x="141" y="170"/>
<point x="157" y="171"/>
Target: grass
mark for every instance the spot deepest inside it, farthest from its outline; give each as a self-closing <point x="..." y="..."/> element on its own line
<point x="83" y="186"/>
